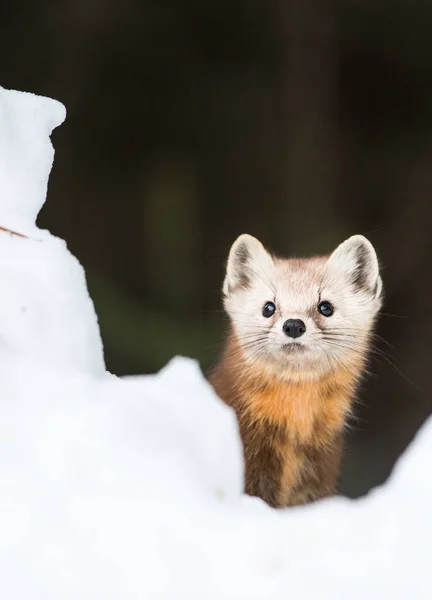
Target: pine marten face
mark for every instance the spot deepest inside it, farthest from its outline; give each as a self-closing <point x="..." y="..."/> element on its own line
<point x="304" y="317"/>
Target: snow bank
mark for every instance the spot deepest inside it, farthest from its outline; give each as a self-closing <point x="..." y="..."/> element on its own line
<point x="127" y="489"/>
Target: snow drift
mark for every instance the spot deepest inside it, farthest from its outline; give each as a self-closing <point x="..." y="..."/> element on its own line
<point x="124" y="489"/>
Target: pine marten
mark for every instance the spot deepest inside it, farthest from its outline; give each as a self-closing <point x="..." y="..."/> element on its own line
<point x="298" y="342"/>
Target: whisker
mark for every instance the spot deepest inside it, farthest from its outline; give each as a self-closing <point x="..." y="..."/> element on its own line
<point x="347" y="343"/>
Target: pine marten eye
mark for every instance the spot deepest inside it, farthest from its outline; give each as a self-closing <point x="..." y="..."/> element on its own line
<point x="269" y="309"/>
<point x="325" y="308"/>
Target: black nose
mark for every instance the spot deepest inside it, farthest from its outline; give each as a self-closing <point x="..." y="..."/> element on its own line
<point x="294" y="328"/>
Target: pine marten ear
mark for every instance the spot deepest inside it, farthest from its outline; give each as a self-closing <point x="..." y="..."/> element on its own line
<point x="247" y="259"/>
<point x="357" y="259"/>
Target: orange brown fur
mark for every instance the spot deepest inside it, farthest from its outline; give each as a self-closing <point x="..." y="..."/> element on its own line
<point x="292" y="432"/>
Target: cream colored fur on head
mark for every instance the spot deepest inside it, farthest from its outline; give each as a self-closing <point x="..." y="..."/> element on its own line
<point x="348" y="279"/>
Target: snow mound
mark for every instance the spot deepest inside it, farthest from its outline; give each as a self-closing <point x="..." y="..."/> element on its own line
<point x="104" y="483"/>
<point x="26" y="156"/>
<point x="132" y="489"/>
<point x="46" y="312"/>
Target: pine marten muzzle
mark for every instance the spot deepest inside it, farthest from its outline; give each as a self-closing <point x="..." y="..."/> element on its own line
<point x="296" y="350"/>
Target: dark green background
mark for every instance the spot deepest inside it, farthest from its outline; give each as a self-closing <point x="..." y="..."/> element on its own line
<point x="189" y="122"/>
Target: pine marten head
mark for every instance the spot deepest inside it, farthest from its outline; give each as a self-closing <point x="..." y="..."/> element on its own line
<point x="303" y="318"/>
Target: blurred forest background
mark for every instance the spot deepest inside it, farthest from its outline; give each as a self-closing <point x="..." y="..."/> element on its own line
<point x="189" y="122"/>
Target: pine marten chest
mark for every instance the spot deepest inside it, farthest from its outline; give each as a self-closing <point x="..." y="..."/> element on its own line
<point x="292" y="434"/>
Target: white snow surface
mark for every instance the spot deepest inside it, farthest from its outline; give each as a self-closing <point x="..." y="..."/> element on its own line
<point x="132" y="489"/>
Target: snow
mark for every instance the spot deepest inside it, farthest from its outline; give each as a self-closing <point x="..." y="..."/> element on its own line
<point x="26" y="155"/>
<point x="46" y="310"/>
<point x="132" y="488"/>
